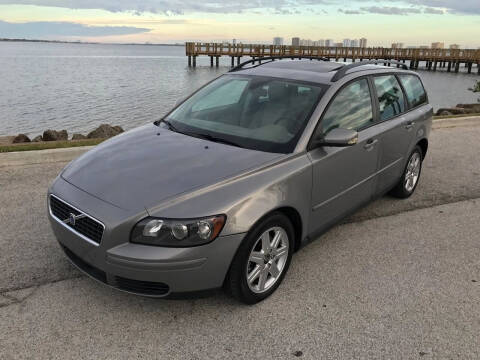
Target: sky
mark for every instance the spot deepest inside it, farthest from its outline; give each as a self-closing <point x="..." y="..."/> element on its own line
<point x="382" y="22"/>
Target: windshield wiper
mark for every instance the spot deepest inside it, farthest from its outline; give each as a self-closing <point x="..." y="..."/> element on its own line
<point x="168" y="123"/>
<point x="214" y="139"/>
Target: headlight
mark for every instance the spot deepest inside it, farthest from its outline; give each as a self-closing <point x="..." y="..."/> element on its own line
<point x="177" y="233"/>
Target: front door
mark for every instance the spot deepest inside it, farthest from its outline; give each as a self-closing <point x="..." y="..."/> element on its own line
<point x="344" y="177"/>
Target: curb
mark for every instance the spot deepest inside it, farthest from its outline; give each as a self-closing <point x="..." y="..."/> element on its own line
<point x="20" y="158"/>
<point x="456" y="122"/>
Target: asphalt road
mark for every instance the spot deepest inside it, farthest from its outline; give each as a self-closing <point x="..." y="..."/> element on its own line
<point x="399" y="279"/>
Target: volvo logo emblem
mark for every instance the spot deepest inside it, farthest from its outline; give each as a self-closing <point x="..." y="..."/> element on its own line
<point x="72" y="218"/>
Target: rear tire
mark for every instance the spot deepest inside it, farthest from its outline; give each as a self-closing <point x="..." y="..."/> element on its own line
<point x="262" y="260"/>
<point x="411" y="175"/>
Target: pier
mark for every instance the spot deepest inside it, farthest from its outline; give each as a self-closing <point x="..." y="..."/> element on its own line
<point x="451" y="59"/>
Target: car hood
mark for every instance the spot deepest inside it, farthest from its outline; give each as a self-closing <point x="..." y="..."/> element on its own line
<point x="142" y="167"/>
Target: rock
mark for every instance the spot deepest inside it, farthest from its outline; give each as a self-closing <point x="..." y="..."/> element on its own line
<point x="453" y="111"/>
<point x="37" y="138"/>
<point x="78" y="137"/>
<point x="105" y="131"/>
<point x="52" y="135"/>
<point x="474" y="108"/>
<point x="119" y="129"/>
<point x="21" y="138"/>
<point x="444" y="112"/>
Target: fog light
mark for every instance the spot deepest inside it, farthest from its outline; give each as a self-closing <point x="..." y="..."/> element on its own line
<point x="179" y="231"/>
<point x="204" y="230"/>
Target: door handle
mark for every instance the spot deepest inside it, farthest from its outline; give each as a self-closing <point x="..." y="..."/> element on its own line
<point x="370" y="144"/>
<point x="409" y="125"/>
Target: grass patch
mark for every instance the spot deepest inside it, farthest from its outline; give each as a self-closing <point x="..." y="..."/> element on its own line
<point x="49" y="145"/>
<point x="438" y="117"/>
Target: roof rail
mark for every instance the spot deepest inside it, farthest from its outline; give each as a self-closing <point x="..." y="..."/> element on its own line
<point x="273" y="58"/>
<point x="342" y="72"/>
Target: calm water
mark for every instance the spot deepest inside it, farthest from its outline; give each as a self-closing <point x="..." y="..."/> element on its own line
<point x="77" y="86"/>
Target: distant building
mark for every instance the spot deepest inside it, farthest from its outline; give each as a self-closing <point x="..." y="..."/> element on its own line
<point x="355" y="43"/>
<point x="234" y="41"/>
<point x="295" y="41"/>
<point x="277" y="41"/>
<point x="329" y="42"/>
<point x="347" y="42"/>
<point x="438" y="45"/>
<point x="363" y="43"/>
<point x="321" y="42"/>
<point x="397" y="45"/>
<point x="454" y="46"/>
<point x="338" y="44"/>
<point x="424" y="47"/>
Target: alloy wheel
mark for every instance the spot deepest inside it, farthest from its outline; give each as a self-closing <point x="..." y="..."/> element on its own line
<point x="412" y="172"/>
<point x="267" y="259"/>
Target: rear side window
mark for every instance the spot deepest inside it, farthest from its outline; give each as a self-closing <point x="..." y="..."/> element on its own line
<point x="351" y="108"/>
<point x="390" y="96"/>
<point x="415" y="92"/>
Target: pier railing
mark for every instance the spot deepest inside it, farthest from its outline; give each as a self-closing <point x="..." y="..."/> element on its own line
<point x="431" y="56"/>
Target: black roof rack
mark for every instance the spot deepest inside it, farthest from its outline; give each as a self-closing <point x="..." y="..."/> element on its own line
<point x="273" y="58"/>
<point x="342" y="72"/>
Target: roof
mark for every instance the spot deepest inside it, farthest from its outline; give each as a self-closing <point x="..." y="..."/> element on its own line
<point x="311" y="70"/>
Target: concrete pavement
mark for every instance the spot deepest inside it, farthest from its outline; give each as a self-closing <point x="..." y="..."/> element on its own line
<point x="399" y="279"/>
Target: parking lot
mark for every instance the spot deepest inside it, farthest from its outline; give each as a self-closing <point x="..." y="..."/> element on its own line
<point x="397" y="280"/>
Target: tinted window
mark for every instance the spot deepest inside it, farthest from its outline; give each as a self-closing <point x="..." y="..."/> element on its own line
<point x="227" y="94"/>
<point x="413" y="87"/>
<point x="390" y="96"/>
<point x="255" y="112"/>
<point x="351" y="108"/>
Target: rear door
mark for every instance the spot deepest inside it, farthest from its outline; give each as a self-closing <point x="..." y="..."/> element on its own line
<point x="396" y="130"/>
<point x="344" y="178"/>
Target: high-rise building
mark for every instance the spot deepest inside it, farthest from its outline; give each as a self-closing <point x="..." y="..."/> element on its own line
<point x="329" y="42"/>
<point x="338" y="44"/>
<point x="454" y="46"/>
<point x="277" y="41"/>
<point x="295" y="41"/>
<point x="438" y="45"/>
<point x="363" y="43"/>
<point x="355" y="43"/>
<point x="347" y="42"/>
<point x="321" y="42"/>
<point x="397" y="45"/>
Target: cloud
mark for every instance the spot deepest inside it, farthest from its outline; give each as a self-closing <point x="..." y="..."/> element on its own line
<point x="350" y="12"/>
<point x="174" y="7"/>
<point x="429" y="10"/>
<point x="178" y="7"/>
<point x="45" y="29"/>
<point x="390" y="10"/>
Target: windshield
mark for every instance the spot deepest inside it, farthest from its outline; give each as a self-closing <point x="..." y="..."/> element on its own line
<point x="261" y="113"/>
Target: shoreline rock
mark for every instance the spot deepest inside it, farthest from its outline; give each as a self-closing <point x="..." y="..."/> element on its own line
<point x="460" y="109"/>
<point x="21" y="138"/>
<point x="105" y="131"/>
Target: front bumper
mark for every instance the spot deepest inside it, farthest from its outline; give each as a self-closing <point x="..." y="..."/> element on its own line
<point x="140" y="269"/>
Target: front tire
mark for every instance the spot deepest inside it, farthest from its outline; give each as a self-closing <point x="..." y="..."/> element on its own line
<point x="411" y="175"/>
<point x="262" y="260"/>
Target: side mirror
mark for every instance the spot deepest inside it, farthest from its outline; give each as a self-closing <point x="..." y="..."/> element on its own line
<point x="339" y="138"/>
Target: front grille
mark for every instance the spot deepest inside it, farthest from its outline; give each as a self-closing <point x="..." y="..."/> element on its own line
<point x="85" y="267"/>
<point x="86" y="226"/>
<point x="142" y="287"/>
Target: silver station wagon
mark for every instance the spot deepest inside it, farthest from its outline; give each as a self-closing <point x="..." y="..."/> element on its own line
<point x="225" y="188"/>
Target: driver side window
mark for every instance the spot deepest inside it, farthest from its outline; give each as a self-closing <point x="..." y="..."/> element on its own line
<point x="351" y="109"/>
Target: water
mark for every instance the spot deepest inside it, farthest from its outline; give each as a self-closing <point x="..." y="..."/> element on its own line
<point x="80" y="86"/>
